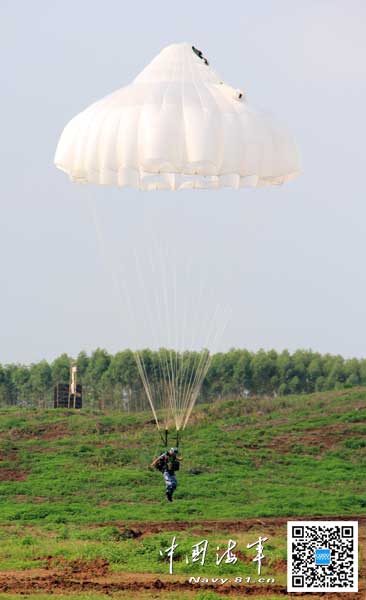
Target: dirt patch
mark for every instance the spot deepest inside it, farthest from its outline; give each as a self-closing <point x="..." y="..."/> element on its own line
<point x="9" y="455"/>
<point x="87" y="568"/>
<point x="269" y="524"/>
<point x="39" y="580"/>
<point x="322" y="438"/>
<point x="12" y="475"/>
<point x="234" y="427"/>
<point x="51" y="431"/>
<point x="84" y="568"/>
<point x="35" y="499"/>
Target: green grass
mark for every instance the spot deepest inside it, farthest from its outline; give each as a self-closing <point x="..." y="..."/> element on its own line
<point x="28" y="547"/>
<point x="254" y="458"/>
<point x="68" y="477"/>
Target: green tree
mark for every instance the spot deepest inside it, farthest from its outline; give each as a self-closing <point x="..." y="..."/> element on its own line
<point x="98" y="363"/>
<point x="264" y="369"/>
<point x="40" y="381"/>
<point x="61" y="369"/>
<point x="123" y="374"/>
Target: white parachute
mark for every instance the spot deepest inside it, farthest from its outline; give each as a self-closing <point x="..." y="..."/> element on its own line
<point x="176" y="126"/>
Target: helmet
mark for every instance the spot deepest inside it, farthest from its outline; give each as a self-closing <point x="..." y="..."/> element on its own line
<point x="173" y="450"/>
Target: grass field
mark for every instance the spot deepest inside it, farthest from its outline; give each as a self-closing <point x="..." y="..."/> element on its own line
<point x="79" y="505"/>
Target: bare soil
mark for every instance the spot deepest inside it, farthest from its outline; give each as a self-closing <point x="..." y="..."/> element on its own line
<point x="59" y="575"/>
<point x="322" y="438"/>
<point x="84" y="577"/>
<point x="12" y="475"/>
<point x="271" y="524"/>
<point x="51" y="431"/>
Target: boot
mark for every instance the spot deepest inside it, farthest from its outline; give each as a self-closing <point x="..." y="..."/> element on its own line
<point x="169" y="496"/>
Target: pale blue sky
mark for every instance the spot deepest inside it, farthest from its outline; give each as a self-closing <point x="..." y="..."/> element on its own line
<point x="289" y="262"/>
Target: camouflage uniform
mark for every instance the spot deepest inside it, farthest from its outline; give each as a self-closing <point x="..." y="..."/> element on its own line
<point x="169" y="474"/>
<point x="170" y="481"/>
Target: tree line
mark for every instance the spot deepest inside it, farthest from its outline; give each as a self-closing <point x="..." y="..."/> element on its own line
<point x="113" y="381"/>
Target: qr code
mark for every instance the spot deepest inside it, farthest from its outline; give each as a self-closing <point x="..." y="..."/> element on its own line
<point x="322" y="556"/>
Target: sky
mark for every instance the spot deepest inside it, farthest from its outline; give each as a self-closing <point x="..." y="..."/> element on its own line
<point x="86" y="266"/>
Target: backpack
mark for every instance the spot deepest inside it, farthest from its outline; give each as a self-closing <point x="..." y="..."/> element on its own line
<point x="160" y="464"/>
<point x="170" y="463"/>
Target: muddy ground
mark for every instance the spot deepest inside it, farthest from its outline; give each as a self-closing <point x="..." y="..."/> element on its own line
<point x="60" y="575"/>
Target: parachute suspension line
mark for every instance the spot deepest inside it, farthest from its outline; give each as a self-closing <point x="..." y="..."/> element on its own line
<point x="160" y="388"/>
<point x="181" y="363"/>
<point x="179" y="382"/>
<point x="191" y="362"/>
<point x="173" y="379"/>
<point x="195" y="364"/>
<point x="190" y="367"/>
<point x="176" y="341"/>
<point x="197" y="384"/>
<point x="168" y="359"/>
<point x="184" y="362"/>
<point x="186" y="382"/>
<point x="188" y="360"/>
<point x="203" y="359"/>
<point x="172" y="401"/>
<point x="168" y="387"/>
<point x="207" y="357"/>
<point x="125" y="299"/>
<point x="145" y="381"/>
<point x="194" y="384"/>
<point x="169" y="397"/>
<point x="195" y="380"/>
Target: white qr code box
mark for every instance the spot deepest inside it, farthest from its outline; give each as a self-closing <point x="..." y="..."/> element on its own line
<point x="322" y="556"/>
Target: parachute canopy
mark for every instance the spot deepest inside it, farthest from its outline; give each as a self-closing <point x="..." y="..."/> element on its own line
<point x="176" y="126"/>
